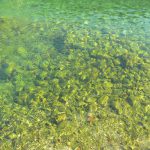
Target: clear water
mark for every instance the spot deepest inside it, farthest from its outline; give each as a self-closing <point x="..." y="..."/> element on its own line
<point x="74" y="74"/>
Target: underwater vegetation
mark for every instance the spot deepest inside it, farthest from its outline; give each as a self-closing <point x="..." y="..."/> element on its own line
<point x="72" y="89"/>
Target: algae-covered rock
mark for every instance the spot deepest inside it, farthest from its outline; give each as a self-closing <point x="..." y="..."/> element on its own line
<point x="83" y="87"/>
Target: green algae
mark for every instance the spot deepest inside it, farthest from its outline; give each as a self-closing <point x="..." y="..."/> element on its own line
<point x="89" y="91"/>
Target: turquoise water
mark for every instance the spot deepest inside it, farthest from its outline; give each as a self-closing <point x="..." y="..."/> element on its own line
<point x="74" y="74"/>
<point x="130" y="17"/>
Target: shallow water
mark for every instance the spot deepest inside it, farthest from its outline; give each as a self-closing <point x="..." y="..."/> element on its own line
<point x="74" y="74"/>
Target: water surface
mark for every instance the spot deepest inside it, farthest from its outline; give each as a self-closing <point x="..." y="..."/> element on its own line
<point x="74" y="74"/>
